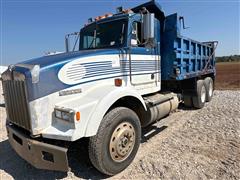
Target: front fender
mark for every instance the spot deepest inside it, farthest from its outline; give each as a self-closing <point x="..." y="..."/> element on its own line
<point x="112" y="94"/>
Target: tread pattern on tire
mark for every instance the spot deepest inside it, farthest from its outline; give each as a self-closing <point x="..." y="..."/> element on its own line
<point x="207" y="81"/>
<point x="197" y="99"/>
<point x="95" y="142"/>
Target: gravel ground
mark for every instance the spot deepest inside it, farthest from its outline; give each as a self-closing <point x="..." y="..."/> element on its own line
<point x="188" y="144"/>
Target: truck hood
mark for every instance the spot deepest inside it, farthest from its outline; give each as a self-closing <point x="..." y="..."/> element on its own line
<point x="50" y="66"/>
<point x="62" y="58"/>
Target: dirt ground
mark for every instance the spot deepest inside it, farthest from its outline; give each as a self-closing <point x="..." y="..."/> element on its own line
<point x="188" y="144"/>
<point x="228" y="76"/>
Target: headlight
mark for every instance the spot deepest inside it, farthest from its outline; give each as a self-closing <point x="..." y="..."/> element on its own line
<point x="58" y="114"/>
<point x="64" y="114"/>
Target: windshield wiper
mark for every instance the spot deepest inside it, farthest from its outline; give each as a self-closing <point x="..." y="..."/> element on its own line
<point x="122" y="34"/>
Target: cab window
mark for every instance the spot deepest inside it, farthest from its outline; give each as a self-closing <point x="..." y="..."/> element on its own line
<point x="136" y="38"/>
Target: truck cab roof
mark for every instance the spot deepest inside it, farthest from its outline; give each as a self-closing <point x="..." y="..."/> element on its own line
<point x="151" y="6"/>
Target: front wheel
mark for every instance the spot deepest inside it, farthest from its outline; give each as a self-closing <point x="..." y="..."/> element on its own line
<point x="116" y="143"/>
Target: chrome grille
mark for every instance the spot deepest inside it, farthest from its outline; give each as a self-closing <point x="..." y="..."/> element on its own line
<point x="15" y="96"/>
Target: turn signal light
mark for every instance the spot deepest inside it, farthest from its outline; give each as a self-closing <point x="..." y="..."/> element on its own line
<point x="118" y="82"/>
<point x="78" y="116"/>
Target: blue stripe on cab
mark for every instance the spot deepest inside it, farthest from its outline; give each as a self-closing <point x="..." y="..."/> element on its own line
<point x="50" y="66"/>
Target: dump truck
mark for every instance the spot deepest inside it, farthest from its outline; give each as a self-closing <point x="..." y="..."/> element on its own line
<point x="123" y="72"/>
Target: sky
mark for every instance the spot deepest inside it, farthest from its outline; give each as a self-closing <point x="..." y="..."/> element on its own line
<point x="29" y="28"/>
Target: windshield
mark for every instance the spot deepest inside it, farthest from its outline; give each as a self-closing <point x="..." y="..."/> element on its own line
<point x="103" y="35"/>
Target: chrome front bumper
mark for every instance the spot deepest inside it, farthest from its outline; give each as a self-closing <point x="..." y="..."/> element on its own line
<point x="40" y="155"/>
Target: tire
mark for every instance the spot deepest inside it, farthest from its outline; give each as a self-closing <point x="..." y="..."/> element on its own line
<point x="200" y="98"/>
<point x="105" y="147"/>
<point x="187" y="101"/>
<point x="209" y="87"/>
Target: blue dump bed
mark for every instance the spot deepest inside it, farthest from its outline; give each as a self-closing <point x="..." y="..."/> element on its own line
<point x="184" y="58"/>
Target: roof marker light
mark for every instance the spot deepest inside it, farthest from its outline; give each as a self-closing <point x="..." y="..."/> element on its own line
<point x="90" y="20"/>
<point x="119" y="9"/>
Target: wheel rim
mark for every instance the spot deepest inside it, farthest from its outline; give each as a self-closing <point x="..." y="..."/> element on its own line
<point x="122" y="142"/>
<point x="203" y="94"/>
<point x="210" y="92"/>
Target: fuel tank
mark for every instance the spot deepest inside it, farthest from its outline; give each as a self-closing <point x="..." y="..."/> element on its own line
<point x="159" y="106"/>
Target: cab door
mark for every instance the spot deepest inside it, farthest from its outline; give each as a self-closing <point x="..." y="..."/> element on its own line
<point x="144" y="62"/>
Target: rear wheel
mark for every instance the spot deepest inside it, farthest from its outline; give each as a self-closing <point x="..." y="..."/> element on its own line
<point x="209" y="88"/>
<point x="116" y="143"/>
<point x="200" y="98"/>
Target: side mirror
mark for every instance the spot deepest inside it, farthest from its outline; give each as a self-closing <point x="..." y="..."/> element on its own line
<point x="68" y="39"/>
<point x="148" y="29"/>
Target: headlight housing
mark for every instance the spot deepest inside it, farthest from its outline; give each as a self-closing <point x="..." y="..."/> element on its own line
<point x="58" y="114"/>
<point x="65" y="114"/>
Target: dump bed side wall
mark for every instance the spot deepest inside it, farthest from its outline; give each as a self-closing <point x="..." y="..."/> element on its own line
<point x="184" y="58"/>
